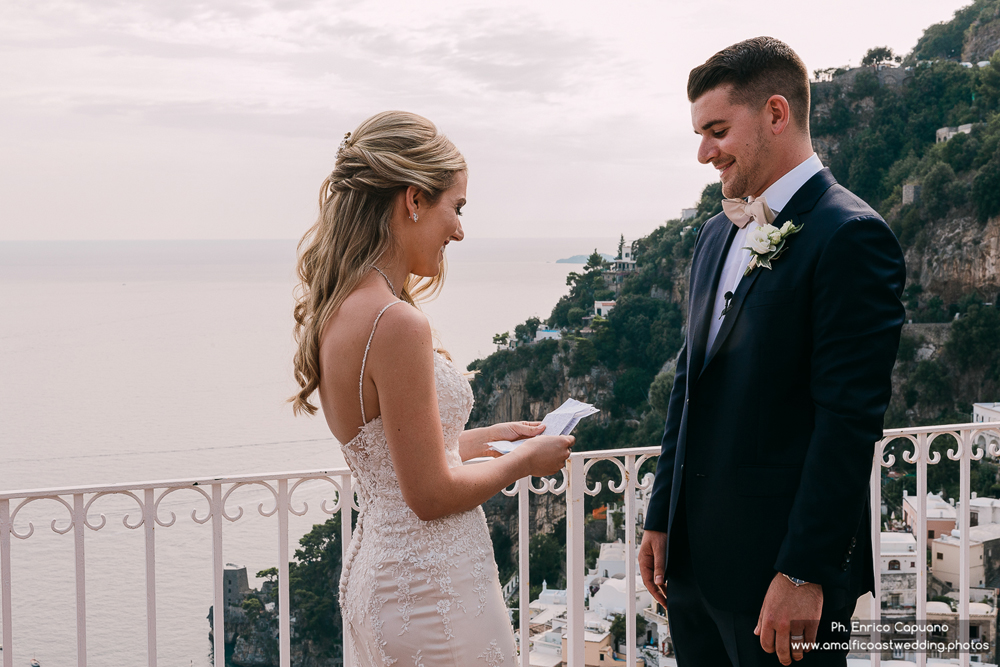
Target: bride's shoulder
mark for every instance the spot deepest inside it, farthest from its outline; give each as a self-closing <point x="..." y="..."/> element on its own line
<point x="402" y="323"/>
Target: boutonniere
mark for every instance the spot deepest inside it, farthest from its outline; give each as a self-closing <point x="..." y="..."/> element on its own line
<point x="767" y="243"/>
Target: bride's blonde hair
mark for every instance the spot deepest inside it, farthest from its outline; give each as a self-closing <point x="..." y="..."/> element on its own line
<point x="387" y="153"/>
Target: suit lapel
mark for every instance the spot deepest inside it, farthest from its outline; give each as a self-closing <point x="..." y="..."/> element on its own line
<point x="709" y="272"/>
<point x="801" y="202"/>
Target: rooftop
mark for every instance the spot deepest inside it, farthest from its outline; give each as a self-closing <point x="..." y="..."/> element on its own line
<point x="612" y="551"/>
<point x="898" y="543"/>
<point x="937" y="507"/>
<point x="978" y="534"/>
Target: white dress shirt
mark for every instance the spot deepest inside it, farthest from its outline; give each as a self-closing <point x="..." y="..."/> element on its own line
<point x="738" y="257"/>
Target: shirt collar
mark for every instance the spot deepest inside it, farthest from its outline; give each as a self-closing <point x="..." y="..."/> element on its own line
<point x="782" y="190"/>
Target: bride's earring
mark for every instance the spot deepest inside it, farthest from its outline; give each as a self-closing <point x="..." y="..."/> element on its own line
<point x="414" y="217"/>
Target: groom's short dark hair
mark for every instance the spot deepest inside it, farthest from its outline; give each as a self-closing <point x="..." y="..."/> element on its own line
<point x="756" y="69"/>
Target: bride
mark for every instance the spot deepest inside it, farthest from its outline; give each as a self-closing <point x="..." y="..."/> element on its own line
<point x="419" y="586"/>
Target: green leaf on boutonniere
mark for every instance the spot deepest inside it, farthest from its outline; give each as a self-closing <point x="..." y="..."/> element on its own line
<point x="764" y="261"/>
<point x="777" y="251"/>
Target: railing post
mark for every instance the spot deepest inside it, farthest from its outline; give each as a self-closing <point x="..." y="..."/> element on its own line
<point x="79" y="525"/>
<point x="284" y="604"/>
<point x="630" y="560"/>
<point x="964" y="445"/>
<point x="923" y="454"/>
<point x="219" y="606"/>
<point x="149" y="524"/>
<point x="346" y="533"/>
<point x="8" y="621"/>
<point x="875" y="497"/>
<point x="575" y="565"/>
<point x="523" y="583"/>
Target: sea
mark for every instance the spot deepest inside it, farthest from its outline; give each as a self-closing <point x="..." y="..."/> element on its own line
<point x="130" y="361"/>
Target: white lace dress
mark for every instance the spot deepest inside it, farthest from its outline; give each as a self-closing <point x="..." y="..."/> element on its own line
<point x="420" y="593"/>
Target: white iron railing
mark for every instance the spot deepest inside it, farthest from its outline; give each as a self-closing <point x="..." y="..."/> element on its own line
<point x="215" y="492"/>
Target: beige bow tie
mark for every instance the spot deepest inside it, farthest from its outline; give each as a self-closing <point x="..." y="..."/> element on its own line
<point x="742" y="212"/>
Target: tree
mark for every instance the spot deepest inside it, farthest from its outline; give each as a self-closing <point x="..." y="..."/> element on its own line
<point x="501" y="340"/>
<point x="253" y="608"/>
<point x="525" y="333"/>
<point x="313" y="582"/>
<point x="879" y="56"/>
<point x="545" y="557"/>
<point x="596" y="261"/>
<point x="973" y="341"/>
<point x="630" y="387"/>
<point x="939" y="192"/>
<point x="986" y="189"/>
<point x="502" y="551"/>
<point x="619" y="630"/>
<point x="659" y="392"/>
<point x="621" y="247"/>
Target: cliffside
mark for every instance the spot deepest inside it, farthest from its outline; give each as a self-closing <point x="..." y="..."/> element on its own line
<point x="982" y="38"/>
<point x="509" y="400"/>
<point x="960" y="256"/>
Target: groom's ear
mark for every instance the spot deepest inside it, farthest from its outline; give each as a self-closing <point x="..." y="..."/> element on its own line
<point x="778" y="113"/>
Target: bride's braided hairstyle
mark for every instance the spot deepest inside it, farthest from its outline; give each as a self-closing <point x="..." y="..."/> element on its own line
<point x="387" y="153"/>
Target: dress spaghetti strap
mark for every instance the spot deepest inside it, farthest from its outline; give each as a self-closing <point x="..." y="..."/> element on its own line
<point x="361" y="380"/>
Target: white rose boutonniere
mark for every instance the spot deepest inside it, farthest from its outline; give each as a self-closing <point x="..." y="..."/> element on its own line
<point x="767" y="242"/>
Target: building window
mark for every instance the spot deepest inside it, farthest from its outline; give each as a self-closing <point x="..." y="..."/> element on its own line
<point x="940" y="556"/>
<point x="894" y="565"/>
<point x="930" y="534"/>
<point x="973" y="631"/>
<point x="973" y="519"/>
<point x="913" y="563"/>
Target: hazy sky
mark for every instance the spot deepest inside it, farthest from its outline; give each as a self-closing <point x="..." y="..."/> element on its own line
<point x="131" y="119"/>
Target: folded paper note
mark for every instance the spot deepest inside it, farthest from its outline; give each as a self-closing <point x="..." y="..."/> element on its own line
<point x="560" y="421"/>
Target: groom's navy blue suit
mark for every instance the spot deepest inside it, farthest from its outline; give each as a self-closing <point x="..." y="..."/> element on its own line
<point x="769" y="439"/>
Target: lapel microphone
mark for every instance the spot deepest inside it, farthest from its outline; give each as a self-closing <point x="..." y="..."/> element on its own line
<point x="729" y="304"/>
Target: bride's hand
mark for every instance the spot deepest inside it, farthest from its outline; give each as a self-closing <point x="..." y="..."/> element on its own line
<point x="510" y="431"/>
<point x="474" y="443"/>
<point x="546" y="454"/>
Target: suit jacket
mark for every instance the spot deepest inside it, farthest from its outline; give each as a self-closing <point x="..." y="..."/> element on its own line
<point x="770" y="434"/>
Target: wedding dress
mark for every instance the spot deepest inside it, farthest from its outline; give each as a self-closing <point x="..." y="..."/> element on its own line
<point x="420" y="593"/>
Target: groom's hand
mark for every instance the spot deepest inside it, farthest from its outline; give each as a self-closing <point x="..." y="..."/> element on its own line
<point x="790" y="614"/>
<point x="651" y="556"/>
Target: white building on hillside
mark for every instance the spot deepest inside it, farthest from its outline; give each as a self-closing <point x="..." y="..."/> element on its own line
<point x="984" y="552"/>
<point x="983" y="511"/>
<point x="612" y="560"/>
<point x="898" y="573"/>
<point x="603" y="308"/>
<point x="612" y="597"/>
<point x="941" y="515"/>
<point x="985" y="412"/>
<point x="547" y="334"/>
<point x="945" y="133"/>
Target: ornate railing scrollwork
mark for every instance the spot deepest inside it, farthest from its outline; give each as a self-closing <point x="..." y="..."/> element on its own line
<point x="323" y="506"/>
<point x="260" y="505"/>
<point x="104" y="520"/>
<point x="194" y="512"/>
<point x="31" y="526"/>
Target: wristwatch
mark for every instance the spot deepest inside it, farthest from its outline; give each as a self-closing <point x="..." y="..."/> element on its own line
<point x="795" y="580"/>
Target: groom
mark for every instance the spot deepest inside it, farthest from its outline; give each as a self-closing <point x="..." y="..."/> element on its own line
<point x="758" y="534"/>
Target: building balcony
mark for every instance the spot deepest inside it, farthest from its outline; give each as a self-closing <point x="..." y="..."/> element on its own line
<point x="149" y="508"/>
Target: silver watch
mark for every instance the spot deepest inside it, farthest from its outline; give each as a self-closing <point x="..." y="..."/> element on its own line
<point x="795" y="580"/>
